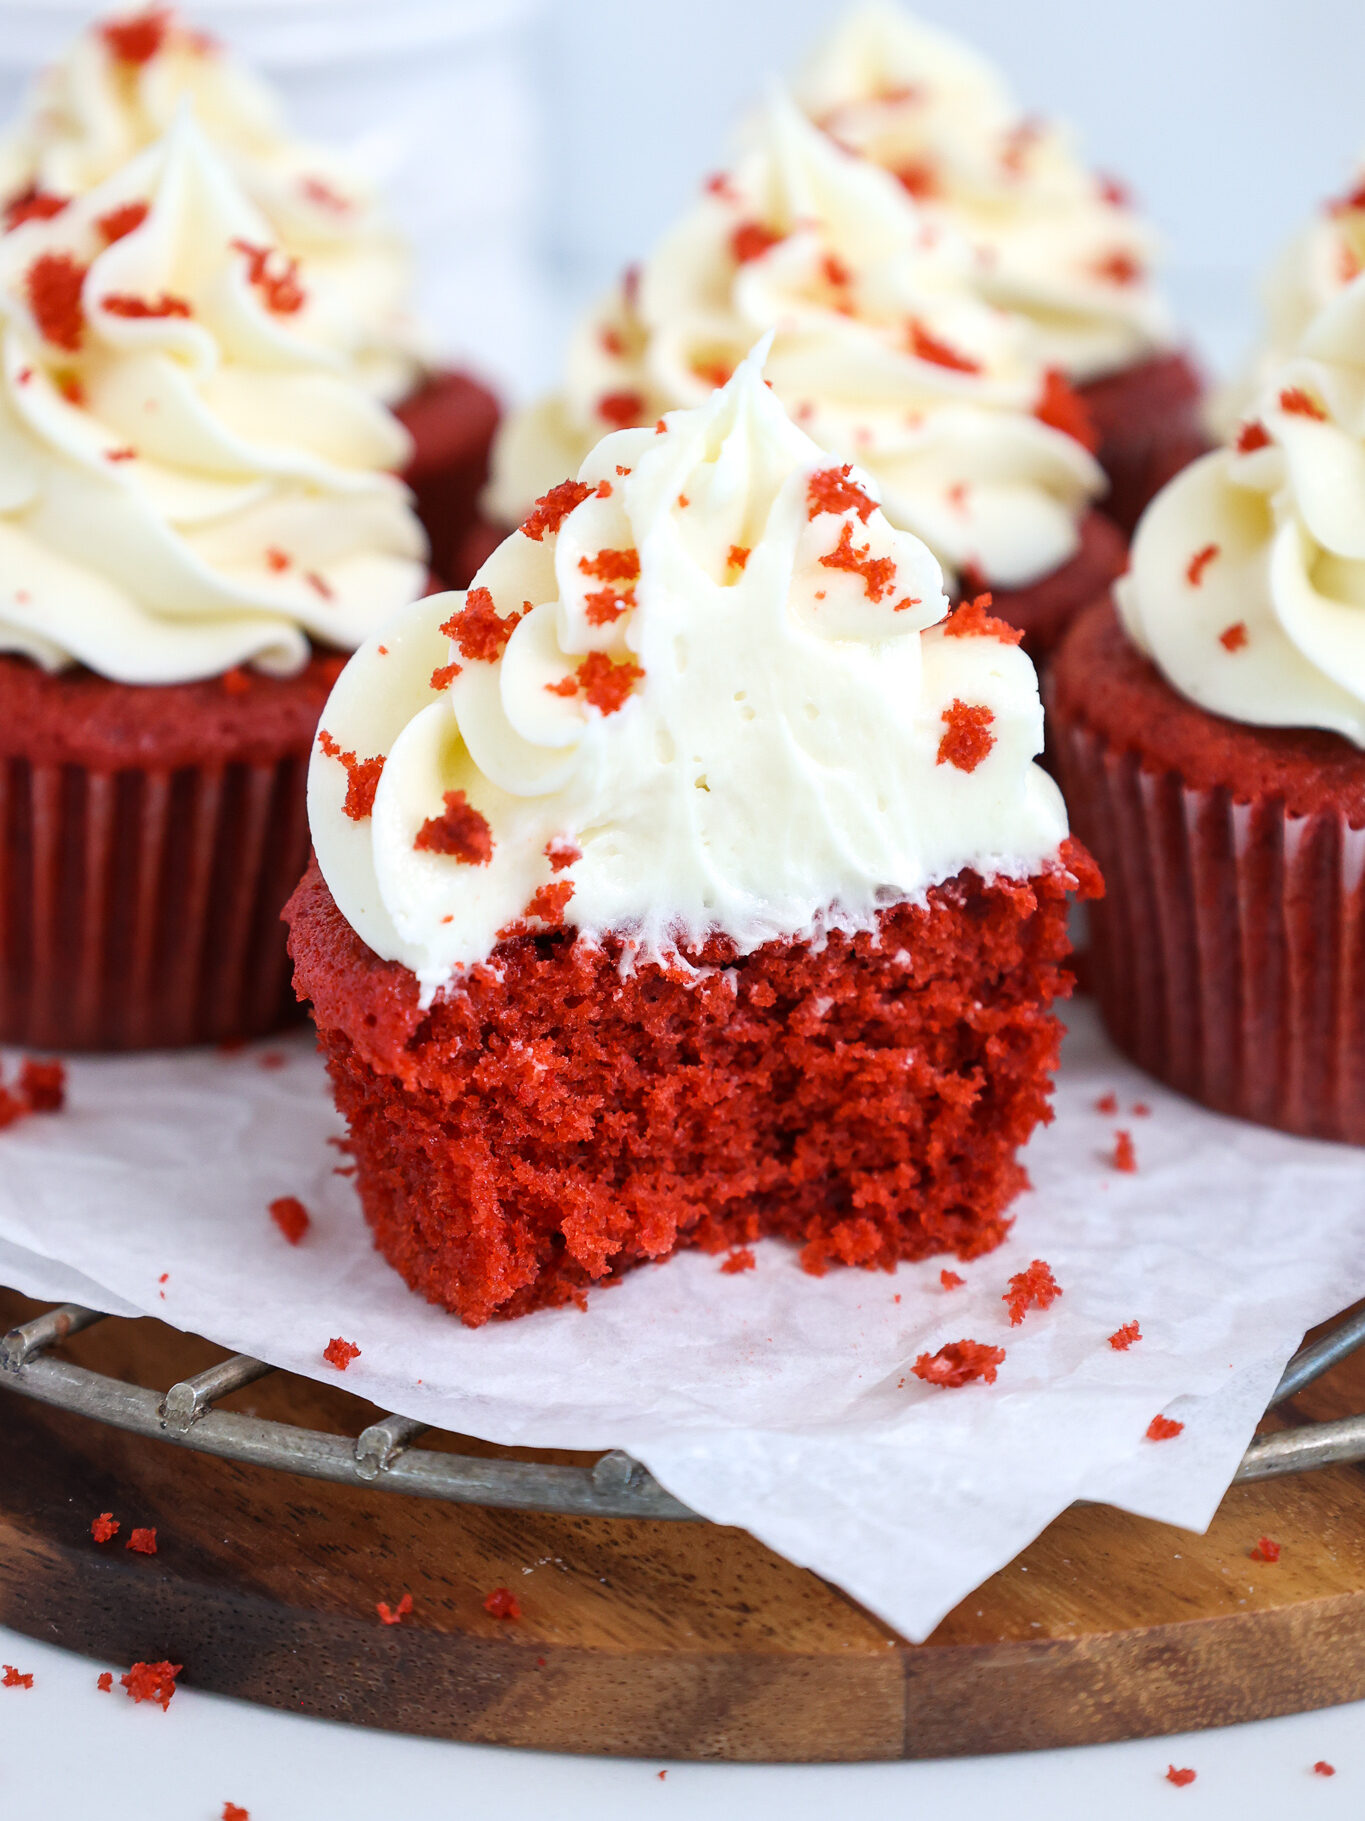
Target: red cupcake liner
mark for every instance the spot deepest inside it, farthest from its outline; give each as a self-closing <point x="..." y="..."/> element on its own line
<point x="1228" y="955"/>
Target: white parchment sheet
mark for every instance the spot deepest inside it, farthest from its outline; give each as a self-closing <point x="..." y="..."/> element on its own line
<point x="767" y="1399"/>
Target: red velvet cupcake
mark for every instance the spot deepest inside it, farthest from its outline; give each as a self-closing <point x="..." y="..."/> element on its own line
<point x="199" y="506"/>
<point x="451" y="419"/>
<point x="686" y="882"/>
<point x="1211" y="745"/>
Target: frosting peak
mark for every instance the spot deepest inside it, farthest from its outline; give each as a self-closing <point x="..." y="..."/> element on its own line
<point x="701" y="691"/>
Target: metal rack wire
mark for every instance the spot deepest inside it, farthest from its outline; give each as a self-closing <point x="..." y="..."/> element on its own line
<point x="382" y="1454"/>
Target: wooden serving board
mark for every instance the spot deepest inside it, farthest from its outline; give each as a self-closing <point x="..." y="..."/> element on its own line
<point x="653" y="1639"/>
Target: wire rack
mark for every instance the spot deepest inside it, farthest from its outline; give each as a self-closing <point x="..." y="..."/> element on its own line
<point x="382" y="1454"/>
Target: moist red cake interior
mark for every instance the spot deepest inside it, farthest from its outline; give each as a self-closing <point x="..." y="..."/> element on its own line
<point x="554" y="1121"/>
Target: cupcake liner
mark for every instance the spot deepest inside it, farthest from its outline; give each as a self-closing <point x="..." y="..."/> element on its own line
<point x="139" y="908"/>
<point x="1228" y="955"/>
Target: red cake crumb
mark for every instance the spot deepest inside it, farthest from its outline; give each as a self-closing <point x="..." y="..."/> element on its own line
<point x="621" y="409"/>
<point x="878" y="573"/>
<point x="142" y="1541"/>
<point x="43" y="1085"/>
<point x="738" y="557"/>
<point x="104" y="1527"/>
<point x="33" y="205"/>
<point x="281" y="292"/>
<point x="548" y="903"/>
<point x="1179" y="1777"/>
<point x="751" y="240"/>
<point x="1122" y="1338"/>
<point x="125" y="219"/>
<point x="1062" y="408"/>
<point x="104" y="1681"/>
<point x="126" y="454"/>
<point x="973" y="620"/>
<point x="272" y="1059"/>
<point x="741" y="1259"/>
<point x="478" y="630"/>
<point x="291" y="1217"/>
<point x="152" y="1682"/>
<point x="1198" y="563"/>
<point x="13" y="1679"/>
<point x="137" y="40"/>
<point x="606" y="685"/>
<point x="831" y="490"/>
<point x="1163" y="1429"/>
<point x="135" y="309"/>
<point x="961" y="1362"/>
<point x="236" y="681"/>
<point x="1034" y="1288"/>
<point x="1251" y="437"/>
<point x="552" y="508"/>
<point x="53" y="283"/>
<point x="394" y="1615"/>
<point x="1323" y="1769"/>
<point x="561" y="854"/>
<point x="1299" y="403"/>
<point x="1266" y="1550"/>
<point x="1107" y="1104"/>
<point x="340" y="1353"/>
<point x="1119" y="267"/>
<point x="232" y="1811"/>
<point x="503" y="1604"/>
<point x="460" y="831"/>
<point x="949" y="1279"/>
<point x="968" y="738"/>
<point x="925" y="346"/>
<point x="443" y="676"/>
<point x="362" y="776"/>
<point x="1125" y="1155"/>
<point x="1234" y="637"/>
<point x="1141" y="1110"/>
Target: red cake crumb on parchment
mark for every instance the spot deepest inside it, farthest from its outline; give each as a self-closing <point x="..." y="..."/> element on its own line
<point x="152" y="1682"/>
<point x="503" y="1604"/>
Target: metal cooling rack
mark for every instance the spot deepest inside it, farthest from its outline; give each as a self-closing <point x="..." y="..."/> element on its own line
<point x="382" y="1454"/>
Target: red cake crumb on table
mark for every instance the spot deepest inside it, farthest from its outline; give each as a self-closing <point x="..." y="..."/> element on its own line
<point x="1107" y="1104"/>
<point x="950" y="1280"/>
<point x="13" y="1679"/>
<point x="152" y="1682"/>
<point x="1179" y="1777"/>
<point x="1034" y="1288"/>
<point x="1122" y="1338"/>
<point x="43" y="1085"/>
<point x="959" y="1363"/>
<point x="233" y="1812"/>
<point x="340" y="1353"/>
<point x="1163" y="1429"/>
<point x="1266" y="1550"/>
<point x="104" y="1527"/>
<point x="291" y="1217"/>
<point x="1323" y="1769"/>
<point x="394" y="1615"/>
<point x="741" y="1259"/>
<point x="142" y="1541"/>
<point x="104" y="1681"/>
<point x="1125" y="1156"/>
<point x="503" y="1604"/>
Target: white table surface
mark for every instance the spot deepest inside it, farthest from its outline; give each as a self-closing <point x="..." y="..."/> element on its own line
<point x="68" y="1750"/>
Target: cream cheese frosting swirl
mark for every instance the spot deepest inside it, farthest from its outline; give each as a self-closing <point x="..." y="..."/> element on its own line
<point x="1247" y="586"/>
<point x="1056" y="243"/>
<point x="188" y="480"/>
<point x="701" y="691"/>
<point x="882" y="352"/>
<point x="117" y="90"/>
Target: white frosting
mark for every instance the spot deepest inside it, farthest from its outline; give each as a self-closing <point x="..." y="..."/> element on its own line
<point x="92" y="111"/>
<point x="1285" y="521"/>
<point x="774" y="771"/>
<point x="1058" y="245"/>
<point x="218" y="493"/>
<point x="854" y="280"/>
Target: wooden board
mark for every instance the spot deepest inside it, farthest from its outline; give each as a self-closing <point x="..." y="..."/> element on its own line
<point x="652" y="1639"/>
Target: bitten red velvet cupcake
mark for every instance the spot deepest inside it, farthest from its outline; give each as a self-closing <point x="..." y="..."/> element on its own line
<point x="198" y="518"/>
<point x="885" y="353"/>
<point x="1210" y="737"/>
<point x="1055" y="243"/>
<point x="689" y="880"/>
<point x="117" y="89"/>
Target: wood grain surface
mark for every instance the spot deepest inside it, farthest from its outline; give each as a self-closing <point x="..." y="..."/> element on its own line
<point x="653" y="1639"/>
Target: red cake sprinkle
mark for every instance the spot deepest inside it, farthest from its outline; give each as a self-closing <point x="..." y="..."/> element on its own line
<point x="142" y="1541"/>
<point x="612" y="342"/>
<point x="1298" y="403"/>
<point x="612" y="565"/>
<point x="1107" y="1104"/>
<point x="276" y="560"/>
<point x="232" y="1811"/>
<point x="552" y="508"/>
<point x="836" y="273"/>
<point x="950" y="1280"/>
<point x="444" y="675"/>
<point x="561" y="854"/>
<point x="548" y="903"/>
<point x="831" y="490"/>
<point x="121" y="221"/>
<point x="137" y="39"/>
<point x="70" y="388"/>
<point x="1141" y="1110"/>
<point x="104" y="1527"/>
<point x="738" y="556"/>
<point x="973" y="619"/>
<point x="1323" y="1769"/>
<point x="478" y="630"/>
<point x="1125" y="1156"/>
<point x="920" y="179"/>
<point x="290" y="1216"/>
<point x="340" y="1353"/>
<point x="152" y="1682"/>
<point x="1252" y="436"/>
<point x="566" y="686"/>
<point x="394" y="1615"/>
<point x="125" y="454"/>
<point x="1122" y="1338"/>
<point x="718" y="184"/>
<point x="714" y="373"/>
<point x="606" y="685"/>
<point x="362" y="776"/>
<point x="13" y="1679"/>
<point x="236" y="681"/>
<point x="968" y="739"/>
<point x="122" y="303"/>
<point x="1033" y="1288"/>
<point x="1265" y="1550"/>
<point x="460" y="832"/>
<point x="281" y="291"/>
<point x="1063" y="408"/>
<point x="1116" y="194"/>
<point x="43" y="1085"/>
<point x="503" y="1604"/>
<point x="319" y="584"/>
<point x="751" y="240"/>
<point x="1119" y="267"/>
<point x="53" y="283"/>
<point x="33" y="205"/>
<point x="741" y="1259"/>
<point x="961" y="1362"/>
<point x="603" y="490"/>
<point x="620" y="409"/>
<point x="318" y="190"/>
<point x="878" y="573"/>
<point x="1234" y="637"/>
<point x="104" y="1681"/>
<point x="1163" y="1429"/>
<point x="1198" y="563"/>
<point x="1179" y="1777"/>
<point x="925" y="346"/>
